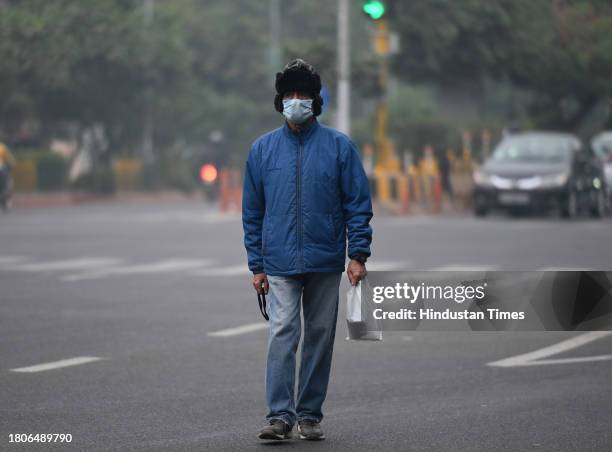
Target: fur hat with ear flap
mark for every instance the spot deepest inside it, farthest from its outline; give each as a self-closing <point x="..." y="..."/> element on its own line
<point x="298" y="75"/>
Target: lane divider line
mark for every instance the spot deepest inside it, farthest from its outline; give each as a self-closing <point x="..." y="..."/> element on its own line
<point x="68" y="264"/>
<point x="58" y="364"/>
<point x="466" y="267"/>
<point x="236" y="331"/>
<point x="165" y="266"/>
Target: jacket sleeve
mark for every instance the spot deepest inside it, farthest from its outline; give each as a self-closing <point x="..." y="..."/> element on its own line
<point x="356" y="202"/>
<point x="253" y="209"/>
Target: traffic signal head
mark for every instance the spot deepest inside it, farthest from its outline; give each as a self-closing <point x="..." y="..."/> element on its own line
<point x="375" y="9"/>
<point x="208" y="173"/>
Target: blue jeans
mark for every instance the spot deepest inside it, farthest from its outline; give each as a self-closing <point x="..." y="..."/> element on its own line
<point x="319" y="294"/>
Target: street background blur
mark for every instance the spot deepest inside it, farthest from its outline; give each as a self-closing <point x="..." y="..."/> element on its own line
<point x="132" y="96"/>
<point x="127" y="315"/>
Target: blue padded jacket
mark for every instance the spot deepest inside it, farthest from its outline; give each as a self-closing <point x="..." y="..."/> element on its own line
<point x="304" y="192"/>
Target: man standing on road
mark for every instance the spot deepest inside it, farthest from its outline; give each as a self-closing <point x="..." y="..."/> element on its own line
<point x="305" y="191"/>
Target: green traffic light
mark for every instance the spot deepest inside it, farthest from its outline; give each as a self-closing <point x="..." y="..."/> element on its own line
<point x="374" y="8"/>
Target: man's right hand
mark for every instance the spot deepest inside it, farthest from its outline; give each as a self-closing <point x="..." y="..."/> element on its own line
<point x="258" y="280"/>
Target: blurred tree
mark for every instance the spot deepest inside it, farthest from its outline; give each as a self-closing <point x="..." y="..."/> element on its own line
<point x="570" y="72"/>
<point x="72" y="61"/>
<point x="64" y="60"/>
<point x="193" y="67"/>
<point x="457" y="44"/>
<point x="560" y="50"/>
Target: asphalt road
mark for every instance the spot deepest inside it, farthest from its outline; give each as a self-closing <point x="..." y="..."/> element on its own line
<point x="140" y="288"/>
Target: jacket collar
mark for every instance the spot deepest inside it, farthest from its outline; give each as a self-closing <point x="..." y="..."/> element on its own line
<point x="304" y="134"/>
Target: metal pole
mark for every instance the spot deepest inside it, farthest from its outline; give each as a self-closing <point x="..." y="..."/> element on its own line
<point x="344" y="69"/>
<point x="275" y="30"/>
<point x="148" y="152"/>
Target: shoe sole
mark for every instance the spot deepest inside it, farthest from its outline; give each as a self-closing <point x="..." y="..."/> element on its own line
<point x="273" y="436"/>
<point x="311" y="438"/>
<point x="306" y="438"/>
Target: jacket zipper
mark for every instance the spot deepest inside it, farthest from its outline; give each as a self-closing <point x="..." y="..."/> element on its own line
<point x="300" y="263"/>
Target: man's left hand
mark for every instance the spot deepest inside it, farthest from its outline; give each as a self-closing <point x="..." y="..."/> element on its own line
<point x="356" y="271"/>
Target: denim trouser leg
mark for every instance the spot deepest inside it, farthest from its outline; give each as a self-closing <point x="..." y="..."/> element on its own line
<point x="320" y="303"/>
<point x="284" y="311"/>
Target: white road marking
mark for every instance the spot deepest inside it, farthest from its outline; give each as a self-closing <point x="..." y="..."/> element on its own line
<point x="231" y="270"/>
<point x="69" y="264"/>
<point x="564" y="269"/>
<point x="244" y="329"/>
<point x="170" y="265"/>
<point x="11" y="260"/>
<point x="242" y="269"/>
<point x="467" y="268"/>
<point x="58" y="364"/>
<point x="387" y="265"/>
<point x="535" y="358"/>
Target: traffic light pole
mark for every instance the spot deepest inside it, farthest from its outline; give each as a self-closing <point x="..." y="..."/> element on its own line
<point x="387" y="160"/>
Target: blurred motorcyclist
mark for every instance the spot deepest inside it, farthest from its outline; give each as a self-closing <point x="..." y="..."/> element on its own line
<point x="7" y="163"/>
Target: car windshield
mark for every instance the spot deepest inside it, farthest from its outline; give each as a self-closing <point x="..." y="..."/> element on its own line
<point x="533" y="149"/>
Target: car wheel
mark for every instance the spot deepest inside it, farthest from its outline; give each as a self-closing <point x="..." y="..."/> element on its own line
<point x="570" y="207"/>
<point x="599" y="209"/>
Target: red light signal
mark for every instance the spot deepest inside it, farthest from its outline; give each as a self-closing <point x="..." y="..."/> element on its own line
<point x="208" y="173"/>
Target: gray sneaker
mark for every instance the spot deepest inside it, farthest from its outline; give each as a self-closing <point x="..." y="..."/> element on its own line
<point x="310" y="430"/>
<point x="277" y="430"/>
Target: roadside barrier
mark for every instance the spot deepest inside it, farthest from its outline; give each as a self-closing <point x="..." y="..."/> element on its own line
<point x="128" y="174"/>
<point x="420" y="188"/>
<point x="462" y="181"/>
<point x="417" y="189"/>
<point x="25" y="176"/>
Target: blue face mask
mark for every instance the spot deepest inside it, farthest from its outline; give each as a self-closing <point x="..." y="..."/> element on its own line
<point x="297" y="111"/>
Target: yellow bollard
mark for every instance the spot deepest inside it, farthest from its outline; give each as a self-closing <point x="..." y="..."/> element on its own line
<point x="403" y="188"/>
<point x="413" y="175"/>
<point x="25" y="175"/>
<point x="383" y="189"/>
<point x="128" y="174"/>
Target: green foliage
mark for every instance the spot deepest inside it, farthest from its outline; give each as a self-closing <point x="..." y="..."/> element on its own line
<point x="196" y="66"/>
<point x="560" y="50"/>
<point x="417" y="133"/>
<point x="51" y="172"/>
<point x="193" y="66"/>
<point x="32" y="153"/>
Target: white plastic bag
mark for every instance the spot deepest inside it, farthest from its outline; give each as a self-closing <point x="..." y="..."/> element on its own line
<point x="360" y="327"/>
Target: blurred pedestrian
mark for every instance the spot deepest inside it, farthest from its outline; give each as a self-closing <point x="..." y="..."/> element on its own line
<point x="428" y="169"/>
<point x="444" y="165"/>
<point x="305" y="191"/>
<point x="6" y="157"/>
